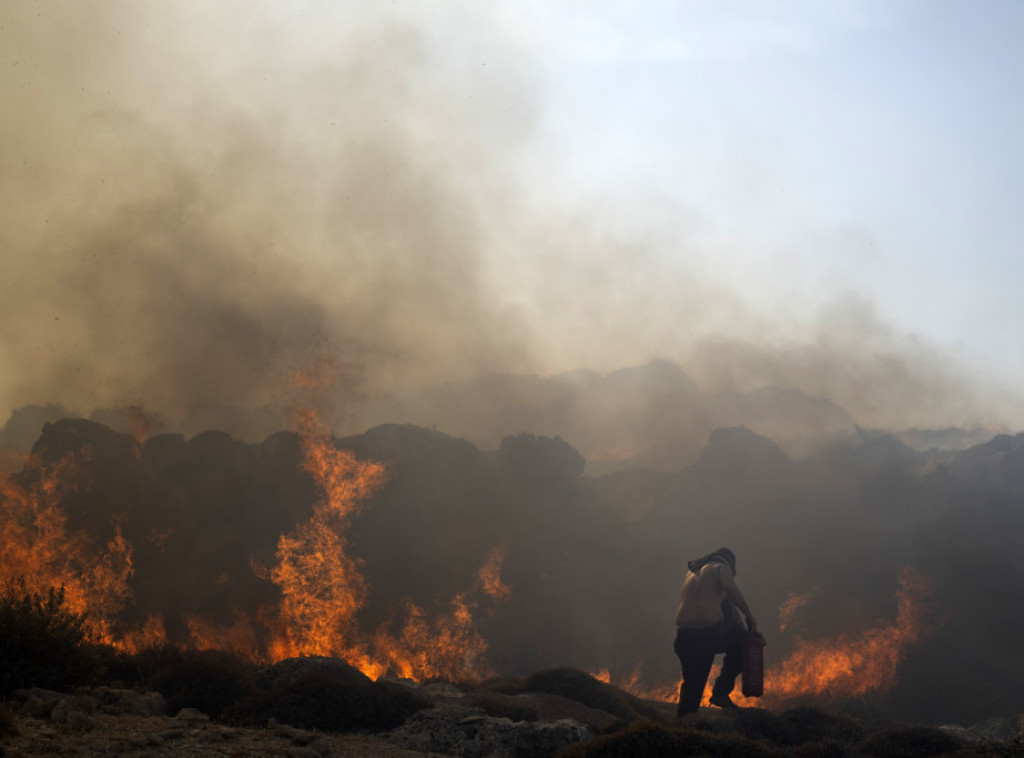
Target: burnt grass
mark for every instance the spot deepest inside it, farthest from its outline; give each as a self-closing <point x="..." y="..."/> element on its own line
<point x="329" y="695"/>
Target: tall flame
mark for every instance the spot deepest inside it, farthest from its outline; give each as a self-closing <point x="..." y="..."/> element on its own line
<point x="321" y="587"/>
<point x="854" y="666"/>
<point x="36" y="545"/>
<point x="323" y="590"/>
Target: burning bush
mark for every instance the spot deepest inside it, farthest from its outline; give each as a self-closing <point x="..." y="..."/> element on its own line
<point x="42" y="643"/>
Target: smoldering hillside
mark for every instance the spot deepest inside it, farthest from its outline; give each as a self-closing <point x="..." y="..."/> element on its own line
<point x="593" y="564"/>
<point x="206" y="207"/>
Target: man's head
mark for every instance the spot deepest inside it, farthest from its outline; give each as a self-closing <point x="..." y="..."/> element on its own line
<point x="725" y="555"/>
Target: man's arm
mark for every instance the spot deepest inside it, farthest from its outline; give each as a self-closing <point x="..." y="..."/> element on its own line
<point x="736" y="597"/>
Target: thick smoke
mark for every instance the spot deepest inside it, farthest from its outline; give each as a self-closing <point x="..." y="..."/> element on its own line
<point x="198" y="202"/>
<point x="195" y="207"/>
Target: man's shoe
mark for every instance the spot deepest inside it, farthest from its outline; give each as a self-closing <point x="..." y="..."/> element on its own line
<point x="722" y="701"/>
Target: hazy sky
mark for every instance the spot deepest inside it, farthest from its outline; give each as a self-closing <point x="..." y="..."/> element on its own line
<point x="811" y="149"/>
<point x="198" y="199"/>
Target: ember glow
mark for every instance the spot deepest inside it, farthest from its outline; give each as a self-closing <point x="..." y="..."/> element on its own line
<point x="791" y="605"/>
<point x="447" y="646"/>
<point x="39" y="548"/>
<point x="490" y="576"/>
<point x="850" y="665"/>
<point x="321" y="588"/>
<point x="841" y="667"/>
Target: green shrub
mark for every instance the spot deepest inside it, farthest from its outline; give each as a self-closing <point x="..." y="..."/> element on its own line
<point x="210" y="680"/>
<point x="42" y="643"/>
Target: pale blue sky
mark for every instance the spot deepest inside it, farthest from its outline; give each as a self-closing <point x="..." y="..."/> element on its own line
<point x="813" y="148"/>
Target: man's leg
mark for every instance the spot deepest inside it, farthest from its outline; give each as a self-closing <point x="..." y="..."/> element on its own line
<point x="732" y="666"/>
<point x="696" y="653"/>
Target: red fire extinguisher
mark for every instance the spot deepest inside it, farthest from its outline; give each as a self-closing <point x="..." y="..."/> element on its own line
<point x="753" y="665"/>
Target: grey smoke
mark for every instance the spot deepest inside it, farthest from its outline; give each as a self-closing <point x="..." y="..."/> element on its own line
<point x="197" y="202"/>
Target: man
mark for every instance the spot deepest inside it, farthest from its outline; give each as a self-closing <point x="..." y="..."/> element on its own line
<point x="707" y="624"/>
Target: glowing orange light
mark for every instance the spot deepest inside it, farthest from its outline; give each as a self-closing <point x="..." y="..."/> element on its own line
<point x="490" y="576"/>
<point x="35" y="545"/>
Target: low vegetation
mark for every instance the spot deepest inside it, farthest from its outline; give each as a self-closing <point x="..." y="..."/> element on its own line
<point x="42" y="643"/>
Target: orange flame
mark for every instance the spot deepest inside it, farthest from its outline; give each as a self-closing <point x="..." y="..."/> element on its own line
<point x="322" y="589"/>
<point x="844" y="666"/>
<point x="792" y="604"/>
<point x="240" y="638"/>
<point x="847" y="666"/>
<point x="448" y="647"/>
<point x="37" y="546"/>
<point x="152" y="633"/>
<point x="139" y="423"/>
<point x="490" y="576"/>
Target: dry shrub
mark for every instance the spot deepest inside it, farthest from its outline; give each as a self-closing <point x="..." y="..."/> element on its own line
<point x="8" y="728"/>
<point x="42" y="643"/>
<point x="505" y="685"/>
<point x="918" y="741"/>
<point x="319" y="699"/>
<point x="503" y="706"/>
<point x="1012" y="748"/>
<point x="803" y="725"/>
<point x="210" y="680"/>
<point x="583" y="688"/>
<point x="649" y="739"/>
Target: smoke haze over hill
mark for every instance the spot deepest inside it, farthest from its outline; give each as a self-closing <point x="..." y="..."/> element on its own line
<point x="200" y="201"/>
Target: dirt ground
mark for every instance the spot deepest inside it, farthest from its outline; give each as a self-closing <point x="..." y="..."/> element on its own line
<point x="131" y="735"/>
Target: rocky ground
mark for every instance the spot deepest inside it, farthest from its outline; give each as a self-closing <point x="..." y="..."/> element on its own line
<point x="105" y="721"/>
<point x="130" y="735"/>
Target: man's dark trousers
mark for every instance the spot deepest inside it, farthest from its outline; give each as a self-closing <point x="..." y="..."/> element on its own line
<point x="696" y="648"/>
